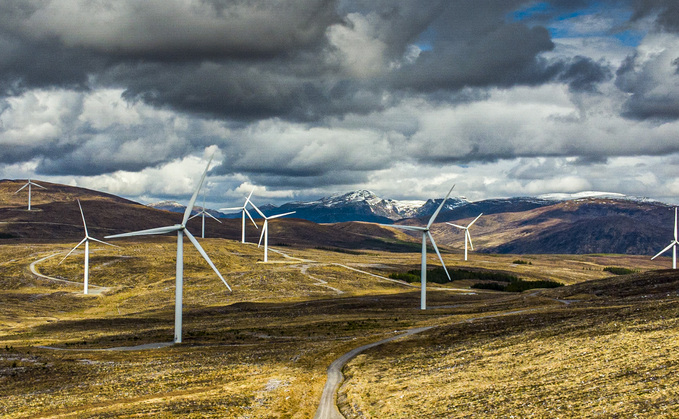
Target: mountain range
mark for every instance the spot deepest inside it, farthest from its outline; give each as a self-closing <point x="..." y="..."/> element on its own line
<point x="582" y="223"/>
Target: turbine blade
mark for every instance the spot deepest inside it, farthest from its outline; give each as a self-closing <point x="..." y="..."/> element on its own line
<point x="69" y="253"/>
<point x="21" y="188"/>
<point x="194" y="216"/>
<point x="35" y="184"/>
<point x="255" y="207"/>
<point x="250" y="216"/>
<point x="675" y="223"/>
<point x="477" y="217"/>
<point x="433" y="217"/>
<point x="280" y="215"/>
<point x="83" y="215"/>
<point x="206" y="257"/>
<point x="404" y="227"/>
<point x="147" y="232"/>
<point x="192" y="202"/>
<point x="212" y="216"/>
<point x="250" y="196"/>
<point x="102" y="242"/>
<point x="469" y="237"/>
<point x="433" y="243"/>
<point x="231" y="209"/>
<point x="458" y="226"/>
<point x="665" y="249"/>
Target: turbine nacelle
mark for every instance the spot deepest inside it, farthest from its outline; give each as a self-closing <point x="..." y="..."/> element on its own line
<point x="181" y="230"/>
<point x="86" y="240"/>
<point x="467" y="236"/>
<point x="244" y="212"/>
<point x="426" y="234"/>
<point x="265" y="227"/>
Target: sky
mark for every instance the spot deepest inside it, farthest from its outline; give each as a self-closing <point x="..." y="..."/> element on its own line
<point x="300" y="99"/>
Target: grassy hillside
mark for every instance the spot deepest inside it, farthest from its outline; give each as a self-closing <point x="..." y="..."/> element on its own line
<point x="263" y="350"/>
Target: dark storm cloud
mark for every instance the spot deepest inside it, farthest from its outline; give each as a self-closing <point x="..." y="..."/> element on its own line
<point x="667" y="12"/>
<point x="173" y="29"/>
<point x="247" y="60"/>
<point x="653" y="85"/>
<point x="583" y="74"/>
<point x="493" y="59"/>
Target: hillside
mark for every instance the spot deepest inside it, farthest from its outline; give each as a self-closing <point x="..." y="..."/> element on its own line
<point x="508" y="226"/>
<point x="55" y="216"/>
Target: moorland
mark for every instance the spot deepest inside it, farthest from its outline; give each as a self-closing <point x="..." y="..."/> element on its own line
<point x="602" y="345"/>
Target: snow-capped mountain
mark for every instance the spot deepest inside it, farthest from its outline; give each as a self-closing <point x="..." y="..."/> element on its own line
<point x="364" y="205"/>
<point x="171" y="206"/>
<point x="389" y="208"/>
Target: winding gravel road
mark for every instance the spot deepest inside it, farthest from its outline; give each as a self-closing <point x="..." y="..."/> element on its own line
<point x="327" y="409"/>
<point x="93" y="289"/>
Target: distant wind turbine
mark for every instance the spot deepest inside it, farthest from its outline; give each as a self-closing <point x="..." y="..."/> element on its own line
<point x="181" y="230"/>
<point x="467" y="236"/>
<point x="86" y="240"/>
<point x="674" y="244"/>
<point x="29" y="184"/>
<point x="203" y="212"/>
<point x="265" y="229"/>
<point x="245" y="211"/>
<point x="425" y="233"/>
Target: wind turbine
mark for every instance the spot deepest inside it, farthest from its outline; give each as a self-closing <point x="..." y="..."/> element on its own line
<point x="181" y="230"/>
<point x="204" y="213"/>
<point x="245" y="211"/>
<point x="674" y="244"/>
<point x="86" y="240"/>
<point x="29" y="184"/>
<point x="425" y="233"/>
<point x="265" y="229"/>
<point x="467" y="236"/>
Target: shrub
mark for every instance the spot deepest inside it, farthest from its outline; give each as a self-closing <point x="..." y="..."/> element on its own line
<point x="489" y="286"/>
<point x="438" y="275"/>
<point x="521" y="285"/>
<point x="405" y="276"/>
<point x="618" y="271"/>
<point x="522" y="262"/>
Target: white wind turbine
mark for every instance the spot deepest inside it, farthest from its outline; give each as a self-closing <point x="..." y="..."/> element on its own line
<point x="181" y="230"/>
<point x="467" y="236"/>
<point x="203" y="212"/>
<point x="265" y="228"/>
<point x="425" y="233"/>
<point x="86" y="240"/>
<point x="674" y="244"/>
<point x="29" y="184"/>
<point x="245" y="211"/>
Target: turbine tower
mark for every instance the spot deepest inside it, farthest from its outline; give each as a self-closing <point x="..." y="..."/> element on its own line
<point x="86" y="240"/>
<point x="244" y="212"/>
<point x="29" y="184"/>
<point x="265" y="228"/>
<point x="203" y="212"/>
<point x="467" y="236"/>
<point x="425" y="233"/>
<point x="674" y="244"/>
<point x="181" y="230"/>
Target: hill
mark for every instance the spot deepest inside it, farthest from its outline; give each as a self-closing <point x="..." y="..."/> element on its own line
<point x="55" y="216"/>
<point x="517" y="226"/>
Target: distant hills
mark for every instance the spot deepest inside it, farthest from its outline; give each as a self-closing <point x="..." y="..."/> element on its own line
<point x="570" y="224"/>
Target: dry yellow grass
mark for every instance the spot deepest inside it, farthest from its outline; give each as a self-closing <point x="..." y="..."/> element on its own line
<point x="262" y="351"/>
